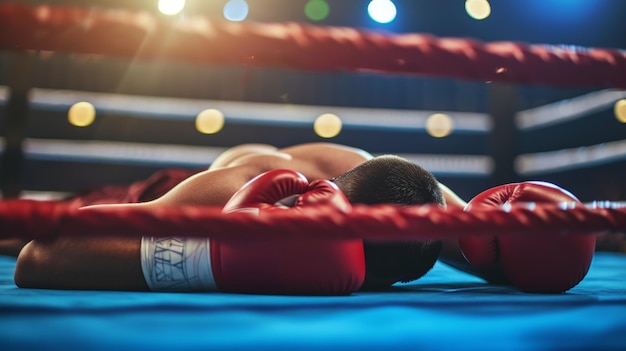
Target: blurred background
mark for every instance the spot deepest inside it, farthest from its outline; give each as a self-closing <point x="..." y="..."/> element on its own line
<point x="135" y="117"/>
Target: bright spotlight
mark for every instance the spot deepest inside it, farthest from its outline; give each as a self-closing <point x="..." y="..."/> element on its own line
<point x="327" y="125"/>
<point x="382" y="11"/>
<point x="81" y="114"/>
<point x="171" y="7"/>
<point x="478" y="9"/>
<point x="439" y="125"/>
<point x="210" y="121"/>
<point x="620" y="110"/>
<point x="236" y="10"/>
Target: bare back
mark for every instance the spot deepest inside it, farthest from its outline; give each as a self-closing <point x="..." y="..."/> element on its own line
<point x="236" y="166"/>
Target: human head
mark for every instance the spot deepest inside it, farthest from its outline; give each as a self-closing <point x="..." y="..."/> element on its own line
<point x="393" y="180"/>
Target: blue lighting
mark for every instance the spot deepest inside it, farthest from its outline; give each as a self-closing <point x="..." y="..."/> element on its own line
<point x="382" y="11"/>
<point x="236" y="10"/>
<point x="564" y="10"/>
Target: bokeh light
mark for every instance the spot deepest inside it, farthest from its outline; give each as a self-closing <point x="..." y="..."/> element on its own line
<point x="171" y="7"/>
<point x="439" y="125"/>
<point x="620" y="110"/>
<point x="81" y="114"/>
<point x="478" y="9"/>
<point x="316" y="10"/>
<point x="327" y="125"/>
<point x="236" y="10"/>
<point x="382" y="11"/>
<point x="210" y="121"/>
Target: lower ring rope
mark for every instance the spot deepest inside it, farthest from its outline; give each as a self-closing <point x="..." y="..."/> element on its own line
<point x="28" y="219"/>
<point x="302" y="47"/>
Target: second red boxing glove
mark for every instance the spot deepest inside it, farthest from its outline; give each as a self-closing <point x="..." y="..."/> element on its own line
<point x="533" y="263"/>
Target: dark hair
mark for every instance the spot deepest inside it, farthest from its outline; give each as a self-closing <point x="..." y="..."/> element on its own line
<point x="393" y="180"/>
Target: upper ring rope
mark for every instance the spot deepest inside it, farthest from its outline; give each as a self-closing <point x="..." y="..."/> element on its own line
<point x="30" y="219"/>
<point x="303" y="47"/>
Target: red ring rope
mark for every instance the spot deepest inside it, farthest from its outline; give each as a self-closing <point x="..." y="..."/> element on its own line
<point x="303" y="47"/>
<point x="29" y="219"/>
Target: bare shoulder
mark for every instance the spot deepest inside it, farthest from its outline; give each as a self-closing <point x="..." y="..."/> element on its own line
<point x="214" y="187"/>
<point x="330" y="159"/>
<point x="315" y="160"/>
<point x="324" y="160"/>
<point x="239" y="152"/>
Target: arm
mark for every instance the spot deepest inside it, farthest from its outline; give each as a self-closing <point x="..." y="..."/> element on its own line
<point x="451" y="251"/>
<point x="109" y="263"/>
<point x="452" y="199"/>
<point x="97" y="262"/>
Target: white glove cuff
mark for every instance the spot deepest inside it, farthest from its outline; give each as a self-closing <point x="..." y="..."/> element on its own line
<point x="177" y="264"/>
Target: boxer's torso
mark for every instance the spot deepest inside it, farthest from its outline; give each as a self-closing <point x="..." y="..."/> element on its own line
<point x="314" y="160"/>
<point x="236" y="166"/>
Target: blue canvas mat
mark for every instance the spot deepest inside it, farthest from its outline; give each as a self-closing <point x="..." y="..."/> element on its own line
<point x="444" y="310"/>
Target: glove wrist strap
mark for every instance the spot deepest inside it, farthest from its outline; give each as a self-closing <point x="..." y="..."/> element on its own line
<point x="177" y="264"/>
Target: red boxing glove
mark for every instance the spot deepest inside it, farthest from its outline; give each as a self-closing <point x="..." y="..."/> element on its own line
<point x="540" y="264"/>
<point x="281" y="189"/>
<point x="278" y="266"/>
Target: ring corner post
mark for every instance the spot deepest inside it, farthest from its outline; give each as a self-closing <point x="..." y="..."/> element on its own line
<point x="504" y="139"/>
